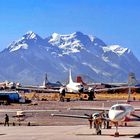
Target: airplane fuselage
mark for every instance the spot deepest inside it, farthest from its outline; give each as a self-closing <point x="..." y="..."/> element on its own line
<point x="74" y="87"/>
<point x="120" y="112"/>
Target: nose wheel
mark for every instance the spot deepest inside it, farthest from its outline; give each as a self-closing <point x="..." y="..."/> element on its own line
<point x="116" y="133"/>
<point x="99" y="132"/>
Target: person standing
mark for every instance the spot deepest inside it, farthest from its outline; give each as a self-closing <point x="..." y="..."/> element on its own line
<point x="6" y="120"/>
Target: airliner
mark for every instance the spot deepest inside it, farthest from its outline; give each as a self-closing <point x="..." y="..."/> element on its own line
<point x="74" y="86"/>
<point x="117" y="113"/>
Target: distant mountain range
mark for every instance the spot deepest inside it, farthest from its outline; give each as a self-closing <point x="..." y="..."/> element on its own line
<point x="28" y="59"/>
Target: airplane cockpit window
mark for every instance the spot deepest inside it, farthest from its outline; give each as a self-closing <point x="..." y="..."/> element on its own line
<point x="122" y="108"/>
<point x="118" y="108"/>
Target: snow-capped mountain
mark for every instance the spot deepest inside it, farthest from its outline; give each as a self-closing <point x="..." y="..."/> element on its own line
<point x="29" y="58"/>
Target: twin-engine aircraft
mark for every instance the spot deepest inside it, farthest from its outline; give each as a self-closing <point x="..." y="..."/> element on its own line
<point x="116" y="114"/>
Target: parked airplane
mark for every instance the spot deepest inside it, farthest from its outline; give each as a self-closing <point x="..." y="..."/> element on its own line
<point x="45" y="87"/>
<point x="132" y="83"/>
<point x="48" y="84"/>
<point x="74" y="87"/>
<point x="7" y="85"/>
<point x="117" y="113"/>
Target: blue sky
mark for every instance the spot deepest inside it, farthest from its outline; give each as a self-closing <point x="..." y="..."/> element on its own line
<point x="113" y="21"/>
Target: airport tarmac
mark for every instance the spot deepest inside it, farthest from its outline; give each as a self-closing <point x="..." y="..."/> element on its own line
<point x="59" y="128"/>
<point x="77" y="132"/>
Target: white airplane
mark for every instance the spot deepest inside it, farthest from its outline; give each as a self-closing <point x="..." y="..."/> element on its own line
<point x="73" y="86"/>
<point x="117" y="113"/>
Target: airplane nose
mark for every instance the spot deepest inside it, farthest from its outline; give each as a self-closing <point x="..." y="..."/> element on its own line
<point x="111" y="115"/>
<point x="116" y="116"/>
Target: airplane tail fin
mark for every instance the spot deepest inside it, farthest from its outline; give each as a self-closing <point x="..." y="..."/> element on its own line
<point x="79" y="80"/>
<point x="132" y="79"/>
<point x="70" y="77"/>
<point x="45" y="80"/>
<point x="131" y="82"/>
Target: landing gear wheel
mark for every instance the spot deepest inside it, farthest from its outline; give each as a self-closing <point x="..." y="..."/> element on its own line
<point x="116" y="134"/>
<point x="99" y="132"/>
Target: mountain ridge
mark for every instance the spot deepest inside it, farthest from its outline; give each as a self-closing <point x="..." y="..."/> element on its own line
<point x="29" y="58"/>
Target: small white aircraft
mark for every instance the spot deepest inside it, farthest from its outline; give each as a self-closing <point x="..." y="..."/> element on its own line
<point x="117" y="113"/>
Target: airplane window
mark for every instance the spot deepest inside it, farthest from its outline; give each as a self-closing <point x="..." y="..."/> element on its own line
<point x="118" y="108"/>
<point x="122" y="108"/>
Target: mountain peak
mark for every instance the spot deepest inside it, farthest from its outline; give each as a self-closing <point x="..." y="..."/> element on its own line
<point x="24" y="42"/>
<point x="55" y="37"/>
<point x="30" y="35"/>
<point x="30" y="32"/>
<point x="116" y="49"/>
<point x="78" y="33"/>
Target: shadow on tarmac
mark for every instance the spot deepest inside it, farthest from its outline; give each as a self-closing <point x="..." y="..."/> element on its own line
<point x="136" y="136"/>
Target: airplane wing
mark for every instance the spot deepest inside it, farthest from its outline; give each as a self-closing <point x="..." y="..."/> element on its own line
<point x="25" y="111"/>
<point x="38" y="89"/>
<point x="35" y="111"/>
<point x="89" y="117"/>
<point x="136" y="117"/>
<point x="115" y="88"/>
<point x="72" y="116"/>
<point x="9" y="110"/>
<point x="92" y="109"/>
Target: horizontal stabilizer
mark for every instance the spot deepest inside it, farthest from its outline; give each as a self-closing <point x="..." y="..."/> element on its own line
<point x="32" y="111"/>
